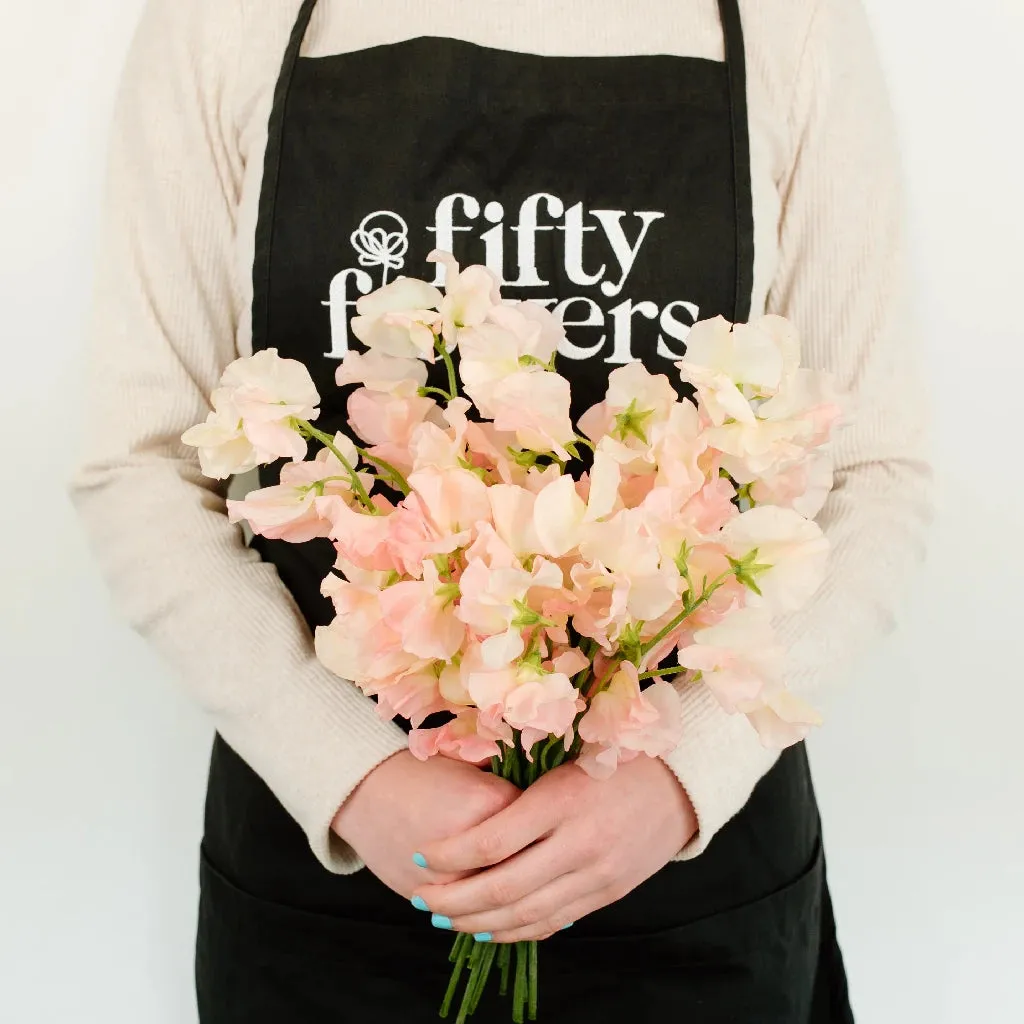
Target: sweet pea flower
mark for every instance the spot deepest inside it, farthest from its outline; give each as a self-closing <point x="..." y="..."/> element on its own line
<point x="470" y="295"/>
<point x="471" y="736"/>
<point x="389" y="422"/>
<point x="512" y="512"/>
<point x="624" y="721"/>
<point x="803" y="486"/>
<point x="561" y="516"/>
<point x="288" y="511"/>
<point x="423" y="613"/>
<point x="537" y="702"/>
<point x="399" y="319"/>
<point x="455" y="500"/>
<point x="414" y="696"/>
<point x="499" y="597"/>
<point x="532" y="405"/>
<point x="723" y="361"/>
<point x="391" y="375"/>
<point x="739" y="659"/>
<point x="636" y="402"/>
<point x="783" y="719"/>
<point x="253" y="413"/>
<point x="359" y="645"/>
<point x="792" y="550"/>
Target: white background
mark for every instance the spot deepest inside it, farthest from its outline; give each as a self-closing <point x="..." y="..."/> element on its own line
<point x="919" y="770"/>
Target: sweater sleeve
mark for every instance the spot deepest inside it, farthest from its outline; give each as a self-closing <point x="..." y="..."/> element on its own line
<point x="842" y="279"/>
<point x="165" y="310"/>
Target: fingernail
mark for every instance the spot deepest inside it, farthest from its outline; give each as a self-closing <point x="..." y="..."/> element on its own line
<point x="419" y="903"/>
<point x="440" y="921"/>
<point x="483" y="936"/>
<point x="564" y="926"/>
<point x="419" y="860"/>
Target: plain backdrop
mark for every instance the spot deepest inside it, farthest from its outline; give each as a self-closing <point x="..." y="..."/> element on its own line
<point x="919" y="769"/>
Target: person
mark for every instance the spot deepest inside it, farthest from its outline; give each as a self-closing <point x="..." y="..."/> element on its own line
<point x="635" y="168"/>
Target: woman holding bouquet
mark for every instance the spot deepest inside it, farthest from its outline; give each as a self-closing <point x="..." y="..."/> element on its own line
<point x="271" y="164"/>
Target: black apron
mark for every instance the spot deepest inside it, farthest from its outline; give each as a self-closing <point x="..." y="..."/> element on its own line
<point x="616" y="190"/>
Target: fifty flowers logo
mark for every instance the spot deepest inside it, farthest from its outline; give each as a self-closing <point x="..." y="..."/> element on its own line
<point x="597" y="250"/>
<point x="377" y="247"/>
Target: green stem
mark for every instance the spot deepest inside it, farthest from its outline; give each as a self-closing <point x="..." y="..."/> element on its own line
<point x="328" y="442"/>
<point x="460" y="952"/>
<point x="531" y="981"/>
<point x="673" y="671"/>
<point x="519" y="993"/>
<point x="453" y="385"/>
<point x="688" y="610"/>
<point x="396" y="476"/>
<point x="435" y="391"/>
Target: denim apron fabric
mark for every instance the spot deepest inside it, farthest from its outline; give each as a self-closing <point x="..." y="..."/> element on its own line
<point x="616" y="191"/>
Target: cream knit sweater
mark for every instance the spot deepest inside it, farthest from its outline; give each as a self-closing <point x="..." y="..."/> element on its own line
<point x="172" y="308"/>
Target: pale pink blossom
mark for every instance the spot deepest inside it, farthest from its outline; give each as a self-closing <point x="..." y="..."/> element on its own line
<point x="288" y="511"/>
<point x="534" y="406"/>
<point x="471" y="736"/>
<point x="440" y="442"/>
<point x="359" y="645"/>
<point x="253" y="418"/>
<point x="561" y="516"/>
<point x="794" y="548"/>
<point x="391" y="375"/>
<point x="739" y="659"/>
<point x="783" y="719"/>
<point x="803" y="486"/>
<point x="423" y="613"/>
<point x="413" y="696"/>
<point x="383" y="419"/>
<point x="455" y="499"/>
<point x="399" y="319"/>
<point x="512" y="511"/>
<point x="537" y="702"/>
<point x="636" y="402"/>
<point x="624" y="721"/>
<point x="470" y="295"/>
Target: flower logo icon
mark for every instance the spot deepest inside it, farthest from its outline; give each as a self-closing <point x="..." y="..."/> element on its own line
<point x="377" y="246"/>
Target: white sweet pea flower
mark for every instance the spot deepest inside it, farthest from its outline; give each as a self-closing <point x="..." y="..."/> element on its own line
<point x="253" y="412"/>
<point x="399" y="319"/>
<point x="791" y="552"/>
<point x="470" y="295"/>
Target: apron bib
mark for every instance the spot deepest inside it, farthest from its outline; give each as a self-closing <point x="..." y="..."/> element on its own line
<point x="616" y="191"/>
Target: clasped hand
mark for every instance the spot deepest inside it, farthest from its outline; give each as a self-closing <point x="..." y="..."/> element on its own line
<point x="507" y="865"/>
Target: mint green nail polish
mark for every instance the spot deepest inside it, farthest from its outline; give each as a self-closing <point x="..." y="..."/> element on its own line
<point x="419" y="860"/>
<point x="564" y="926"/>
<point x="440" y="921"/>
<point x="483" y="936"/>
<point x="419" y="903"/>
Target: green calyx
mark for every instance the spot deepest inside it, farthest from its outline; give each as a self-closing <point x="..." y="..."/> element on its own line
<point x="630" y="423"/>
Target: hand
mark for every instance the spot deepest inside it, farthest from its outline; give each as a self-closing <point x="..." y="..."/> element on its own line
<point x="404" y="804"/>
<point x="567" y="847"/>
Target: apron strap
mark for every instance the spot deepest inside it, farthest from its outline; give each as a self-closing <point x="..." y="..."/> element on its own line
<point x="736" y="67"/>
<point x="271" y="174"/>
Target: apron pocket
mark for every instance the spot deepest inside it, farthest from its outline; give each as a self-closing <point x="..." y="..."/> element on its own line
<point x="752" y="964"/>
<point x="262" y="962"/>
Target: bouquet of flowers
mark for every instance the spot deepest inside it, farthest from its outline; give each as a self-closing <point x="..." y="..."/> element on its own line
<point x="548" y="588"/>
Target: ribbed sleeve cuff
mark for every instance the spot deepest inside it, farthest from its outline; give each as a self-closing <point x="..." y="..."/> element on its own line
<point x="312" y="746"/>
<point x="719" y="761"/>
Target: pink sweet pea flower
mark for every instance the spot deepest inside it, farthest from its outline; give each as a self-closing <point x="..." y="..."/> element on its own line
<point x="624" y="721"/>
<point x="739" y="659"/>
<point x="423" y="613"/>
<point x="359" y="645"/>
<point x="795" y="549"/>
<point x="803" y="487"/>
<point x="471" y="736"/>
<point x="288" y="511"/>
<point x="783" y="720"/>
<point x="413" y="696"/>
<point x="391" y="375"/>
<point x="455" y="499"/>
<point x="470" y="295"/>
<point x="399" y="319"/>
<point x="536" y="702"/>
<point x="253" y="412"/>
<point x="637" y="402"/>
<point x="388" y="423"/>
